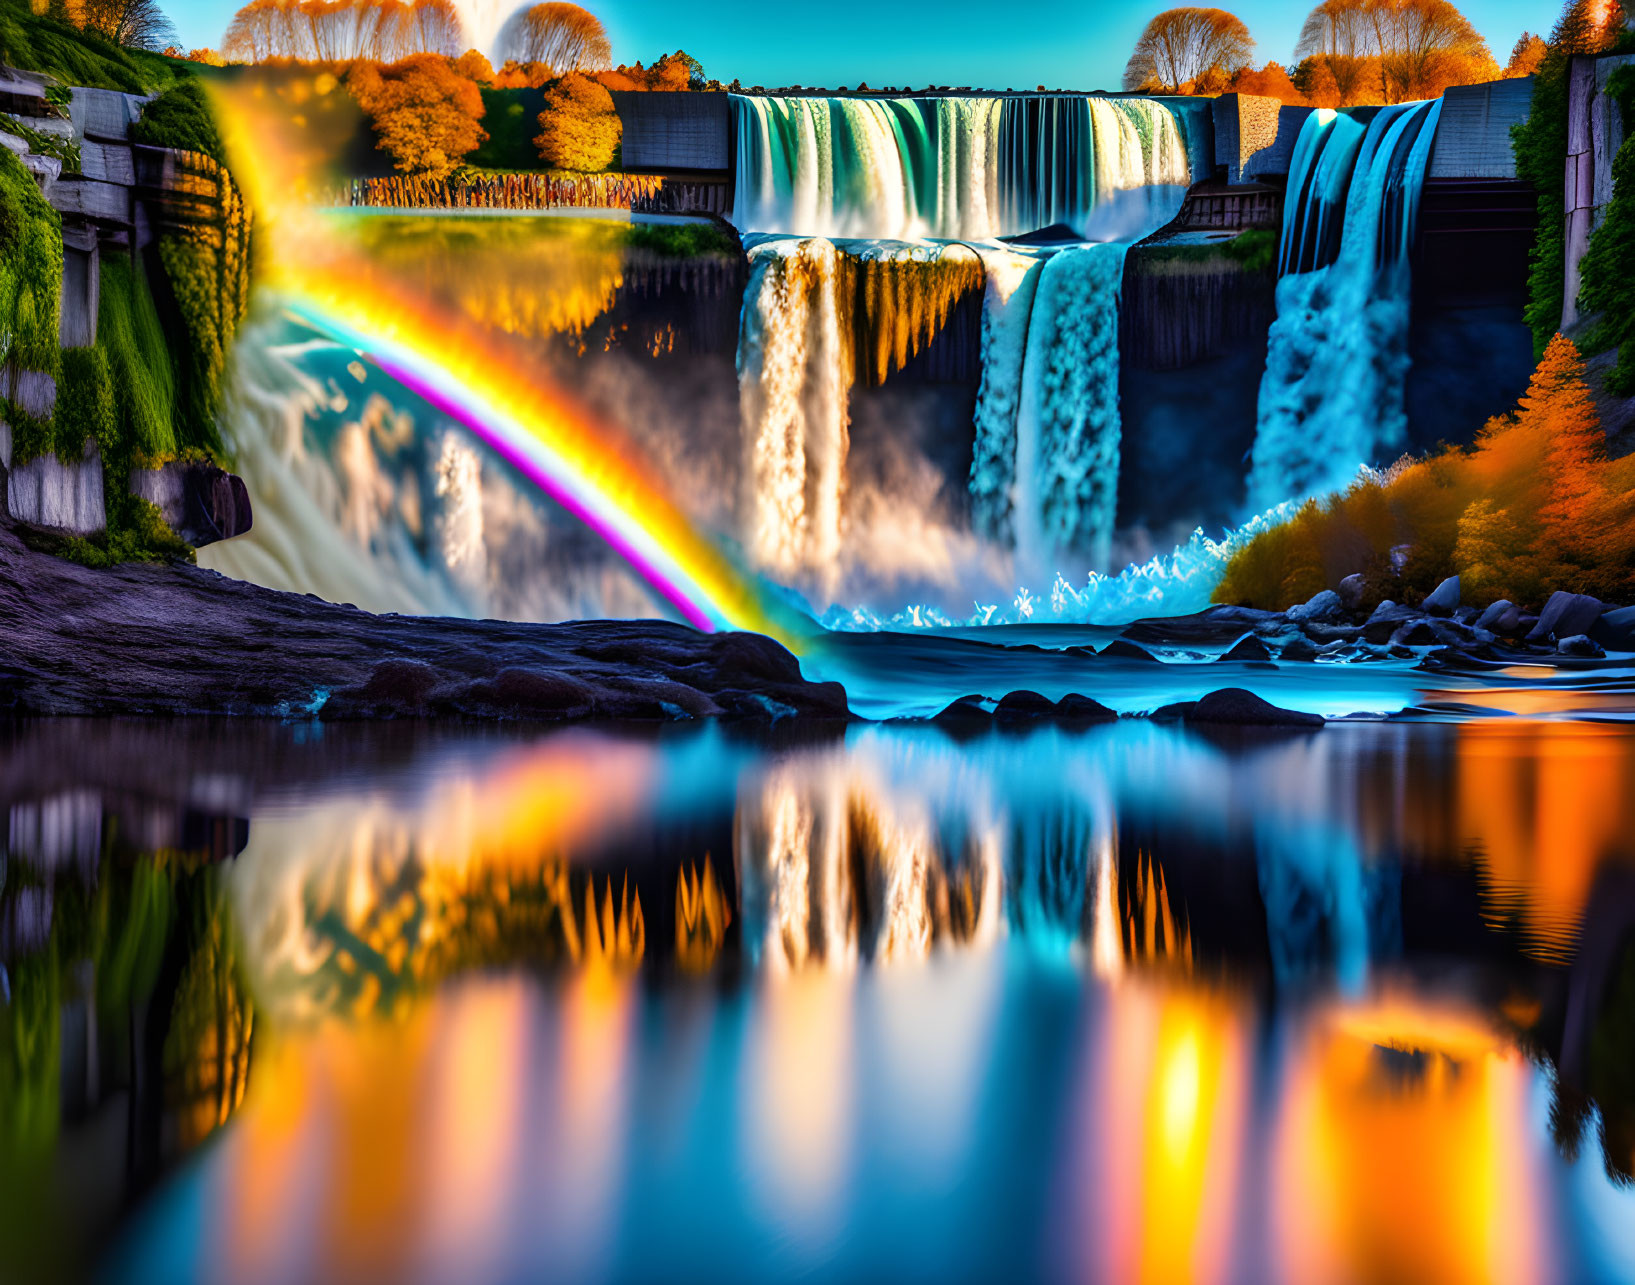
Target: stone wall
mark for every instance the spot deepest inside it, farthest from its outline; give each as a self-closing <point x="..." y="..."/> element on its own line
<point x="1595" y="130"/>
<point x="1473" y="138"/>
<point x="674" y="130"/>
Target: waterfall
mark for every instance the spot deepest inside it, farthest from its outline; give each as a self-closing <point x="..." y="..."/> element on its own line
<point x="795" y="371"/>
<point x="1337" y="355"/>
<point x="954" y="168"/>
<point x="1044" y="473"/>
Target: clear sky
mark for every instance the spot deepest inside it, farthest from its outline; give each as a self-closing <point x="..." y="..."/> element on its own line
<point x="989" y="45"/>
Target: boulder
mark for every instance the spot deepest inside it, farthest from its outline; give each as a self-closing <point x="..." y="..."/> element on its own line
<point x="966" y="711"/>
<point x="1298" y="649"/>
<point x="1565" y="615"/>
<point x="202" y="503"/>
<point x="1325" y="607"/>
<point x="1442" y="600"/>
<point x="1236" y="707"/>
<point x="1123" y="649"/>
<point x="1203" y="628"/>
<point x="1580" y="645"/>
<point x="1022" y="707"/>
<point x="1352" y="590"/>
<point x="1495" y="612"/>
<point x="1247" y="648"/>
<point x="1075" y="708"/>
<point x="1416" y="633"/>
<point x="1326" y="635"/>
<point x="1615" y="630"/>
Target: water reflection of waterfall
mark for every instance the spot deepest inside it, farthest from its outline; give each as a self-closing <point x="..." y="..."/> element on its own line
<point x="1337" y="356"/>
<point x="953" y="167"/>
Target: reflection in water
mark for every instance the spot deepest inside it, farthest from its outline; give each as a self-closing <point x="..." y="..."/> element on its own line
<point x="1132" y="1004"/>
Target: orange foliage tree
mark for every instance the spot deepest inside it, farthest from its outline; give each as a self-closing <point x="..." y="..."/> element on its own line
<point x="672" y="72"/>
<point x="1534" y="506"/>
<point x="561" y="36"/>
<point x="578" y="130"/>
<point x="1270" y="81"/>
<point x="338" y="31"/>
<point x="1526" y="56"/>
<point x="1181" y="46"/>
<point x="424" y="113"/>
<point x="1388" y="51"/>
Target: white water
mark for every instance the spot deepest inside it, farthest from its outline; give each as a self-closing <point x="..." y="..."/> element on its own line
<point x="953" y="168"/>
<point x="1337" y="355"/>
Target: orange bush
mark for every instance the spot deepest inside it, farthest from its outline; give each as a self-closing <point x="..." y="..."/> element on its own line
<point x="424" y="113"/>
<point x="1533" y="506"/>
<point x="1270" y="81"/>
<point x="579" y="130"/>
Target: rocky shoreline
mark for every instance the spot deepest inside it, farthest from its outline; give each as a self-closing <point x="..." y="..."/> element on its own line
<point x="171" y="639"/>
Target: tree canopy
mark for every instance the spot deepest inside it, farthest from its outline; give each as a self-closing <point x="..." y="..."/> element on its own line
<point x="579" y="130"/>
<point x="561" y="36"/>
<point x="423" y="111"/>
<point x="1389" y="51"/>
<point x="1180" y="47"/>
<point x="343" y="30"/>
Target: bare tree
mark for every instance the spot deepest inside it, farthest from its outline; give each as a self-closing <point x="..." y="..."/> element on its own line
<point x="1180" y="45"/>
<point x="562" y="36"/>
<point x="1411" y="48"/>
<point x="432" y="27"/>
<point x="136" y="24"/>
<point x="343" y="30"/>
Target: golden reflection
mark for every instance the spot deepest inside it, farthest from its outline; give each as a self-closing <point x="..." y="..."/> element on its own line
<point x="1150" y="923"/>
<point x="1545" y="805"/>
<point x="1395" y="1134"/>
<point x="906" y="297"/>
<point x="702" y="915"/>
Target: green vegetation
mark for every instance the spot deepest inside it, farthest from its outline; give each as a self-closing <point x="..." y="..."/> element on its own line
<point x="38" y="42"/>
<point x="130" y="332"/>
<point x="678" y="240"/>
<point x="43" y="144"/>
<point x="1256" y="249"/>
<point x="181" y="118"/>
<point x="511" y="118"/>
<point x="201" y="362"/>
<point x="30" y="270"/>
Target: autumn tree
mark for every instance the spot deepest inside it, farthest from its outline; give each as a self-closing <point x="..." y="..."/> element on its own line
<point x="1180" y="46"/>
<point x="578" y="130"/>
<point x="1270" y="81"/>
<point x="1391" y="50"/>
<point x="672" y="72"/>
<point x="336" y="31"/>
<point x="136" y="24"/>
<point x="1526" y="56"/>
<point x="562" y="36"/>
<point x="424" y="113"/>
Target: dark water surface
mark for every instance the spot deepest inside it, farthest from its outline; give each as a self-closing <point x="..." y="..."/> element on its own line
<point x="287" y="1003"/>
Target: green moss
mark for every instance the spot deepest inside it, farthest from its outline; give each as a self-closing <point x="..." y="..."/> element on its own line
<point x="42" y="144"/>
<point x="195" y="282"/>
<point x="30" y="271"/>
<point x="679" y="240"/>
<point x="139" y="360"/>
<point x="142" y="536"/>
<point x="181" y="118"/>
<point x="86" y="408"/>
<point x="1255" y="249"/>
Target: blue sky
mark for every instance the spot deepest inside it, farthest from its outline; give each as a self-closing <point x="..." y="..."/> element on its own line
<point x="917" y="42"/>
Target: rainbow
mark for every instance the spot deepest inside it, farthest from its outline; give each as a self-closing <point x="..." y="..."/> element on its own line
<point x="584" y="465"/>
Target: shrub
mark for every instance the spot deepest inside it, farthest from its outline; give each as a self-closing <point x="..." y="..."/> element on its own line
<point x="579" y="130"/>
<point x="181" y="118"/>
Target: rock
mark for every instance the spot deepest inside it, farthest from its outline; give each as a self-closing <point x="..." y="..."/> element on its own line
<point x="1466" y="615"/>
<point x="1298" y="649"/>
<point x="1247" y="648"/>
<point x="1325" y="607"/>
<point x="1204" y="628"/>
<point x="1615" y="630"/>
<point x="166" y="639"/>
<point x="1237" y="707"/>
<point x="1023" y="706"/>
<point x="1352" y="591"/>
<point x="1565" y="615"/>
<point x="1123" y="649"/>
<point x="1080" y="650"/>
<point x="1173" y="713"/>
<point x="967" y="710"/>
<point x="201" y="503"/>
<point x="1579" y="645"/>
<point x="1399" y="556"/>
<point x="1416" y="633"/>
<point x="1495" y="612"/>
<point x="1325" y="635"/>
<point x="1074" y="708"/>
<point x="1442" y="600"/>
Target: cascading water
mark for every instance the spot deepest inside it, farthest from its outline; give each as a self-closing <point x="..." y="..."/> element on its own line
<point x="1337" y="355"/>
<point x="1044" y="472"/>
<point x="955" y="168"/>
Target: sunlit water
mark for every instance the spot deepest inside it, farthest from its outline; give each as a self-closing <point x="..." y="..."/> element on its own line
<point x="291" y="1003"/>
